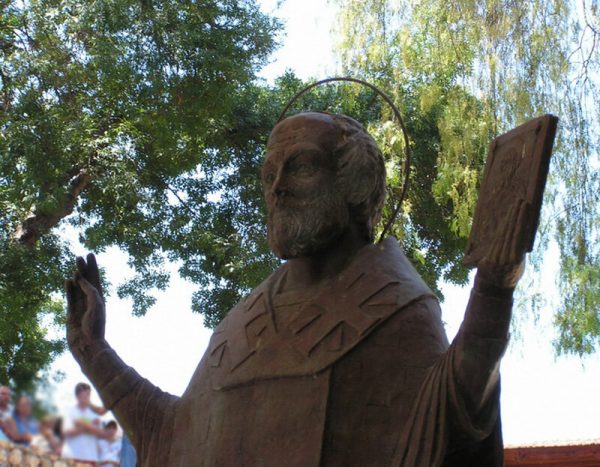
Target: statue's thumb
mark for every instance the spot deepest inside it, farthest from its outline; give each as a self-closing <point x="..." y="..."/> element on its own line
<point x="72" y="315"/>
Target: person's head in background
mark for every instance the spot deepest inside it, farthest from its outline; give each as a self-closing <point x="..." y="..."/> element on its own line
<point x="111" y="430"/>
<point x="5" y="396"/>
<point x="47" y="425"/>
<point x="23" y="407"/>
<point x="83" y="392"/>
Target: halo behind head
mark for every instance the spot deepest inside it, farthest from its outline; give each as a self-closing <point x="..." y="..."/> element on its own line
<point x="396" y="112"/>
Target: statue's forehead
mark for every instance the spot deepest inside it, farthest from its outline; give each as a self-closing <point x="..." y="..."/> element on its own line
<point x="308" y="129"/>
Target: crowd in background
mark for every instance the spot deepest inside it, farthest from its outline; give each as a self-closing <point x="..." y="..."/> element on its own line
<point x="79" y="435"/>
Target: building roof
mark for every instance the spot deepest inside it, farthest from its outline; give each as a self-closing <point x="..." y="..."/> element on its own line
<point x="580" y="453"/>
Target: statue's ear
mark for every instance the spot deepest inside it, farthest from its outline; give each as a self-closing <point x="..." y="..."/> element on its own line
<point x="361" y="178"/>
<point x="364" y="222"/>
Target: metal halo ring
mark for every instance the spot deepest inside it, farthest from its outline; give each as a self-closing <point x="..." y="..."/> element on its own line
<point x="385" y="97"/>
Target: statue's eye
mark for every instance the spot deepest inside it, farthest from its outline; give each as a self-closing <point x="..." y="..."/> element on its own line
<point x="303" y="169"/>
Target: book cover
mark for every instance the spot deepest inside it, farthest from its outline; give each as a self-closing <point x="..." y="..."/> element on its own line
<point x="514" y="177"/>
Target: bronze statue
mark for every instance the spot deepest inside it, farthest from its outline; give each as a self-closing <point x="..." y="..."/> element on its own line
<point x="339" y="358"/>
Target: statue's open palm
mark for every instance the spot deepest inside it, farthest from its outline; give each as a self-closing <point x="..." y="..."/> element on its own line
<point x="86" y="316"/>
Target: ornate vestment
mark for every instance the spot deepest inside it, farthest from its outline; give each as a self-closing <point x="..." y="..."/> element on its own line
<point x="354" y="372"/>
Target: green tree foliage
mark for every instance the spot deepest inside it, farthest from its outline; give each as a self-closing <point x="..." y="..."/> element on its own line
<point x="140" y="123"/>
<point x="117" y="110"/>
<point x="466" y="71"/>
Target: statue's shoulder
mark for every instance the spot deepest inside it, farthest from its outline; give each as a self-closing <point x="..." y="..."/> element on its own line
<point x="247" y="307"/>
<point x="254" y="342"/>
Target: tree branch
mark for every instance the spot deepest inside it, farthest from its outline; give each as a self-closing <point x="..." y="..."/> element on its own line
<point x="37" y="224"/>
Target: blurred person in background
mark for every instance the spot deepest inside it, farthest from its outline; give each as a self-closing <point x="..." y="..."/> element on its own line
<point x="110" y="447"/>
<point x="46" y="441"/>
<point x="82" y="429"/>
<point x="22" y="426"/>
<point x="5" y="408"/>
<point x="128" y="455"/>
<point x="57" y="429"/>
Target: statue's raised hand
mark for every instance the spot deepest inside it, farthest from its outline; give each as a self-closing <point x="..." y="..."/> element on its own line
<point x="86" y="316"/>
<point x="504" y="265"/>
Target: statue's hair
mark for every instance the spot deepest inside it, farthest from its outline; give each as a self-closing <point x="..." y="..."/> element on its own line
<point x="360" y="173"/>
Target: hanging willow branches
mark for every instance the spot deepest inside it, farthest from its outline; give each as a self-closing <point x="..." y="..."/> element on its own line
<point x="472" y="70"/>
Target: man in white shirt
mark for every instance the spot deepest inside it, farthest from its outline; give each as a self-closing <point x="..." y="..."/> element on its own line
<point x="110" y="448"/>
<point x="83" y="429"/>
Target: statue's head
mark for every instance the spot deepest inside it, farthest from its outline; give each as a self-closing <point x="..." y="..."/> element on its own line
<point x="322" y="174"/>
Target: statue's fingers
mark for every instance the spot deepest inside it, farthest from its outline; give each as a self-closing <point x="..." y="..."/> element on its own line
<point x="93" y="273"/>
<point x="508" y="235"/>
<point x="78" y="295"/>
<point x="91" y="293"/>
<point x="495" y="252"/>
<point x="500" y="246"/>
<point x="497" y="248"/>
<point x="517" y="252"/>
<point x="81" y="266"/>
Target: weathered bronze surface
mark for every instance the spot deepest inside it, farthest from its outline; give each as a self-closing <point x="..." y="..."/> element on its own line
<point x="339" y="358"/>
<point x="513" y="181"/>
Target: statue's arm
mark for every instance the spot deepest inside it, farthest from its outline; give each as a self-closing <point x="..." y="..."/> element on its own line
<point x="142" y="409"/>
<point x="480" y="343"/>
<point x="483" y="336"/>
<point x="455" y="414"/>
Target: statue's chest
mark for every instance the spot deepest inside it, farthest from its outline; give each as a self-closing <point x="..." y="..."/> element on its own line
<point x="300" y="334"/>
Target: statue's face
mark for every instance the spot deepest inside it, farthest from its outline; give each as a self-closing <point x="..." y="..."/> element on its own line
<point x="306" y="213"/>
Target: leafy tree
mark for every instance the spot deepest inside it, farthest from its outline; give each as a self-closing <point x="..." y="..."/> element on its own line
<point x="141" y="124"/>
<point x="117" y="111"/>
<point x="466" y="71"/>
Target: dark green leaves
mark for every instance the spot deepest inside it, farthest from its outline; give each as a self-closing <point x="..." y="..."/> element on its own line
<point x="119" y="111"/>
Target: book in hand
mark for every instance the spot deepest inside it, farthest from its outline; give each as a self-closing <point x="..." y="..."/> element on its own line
<point x="514" y="178"/>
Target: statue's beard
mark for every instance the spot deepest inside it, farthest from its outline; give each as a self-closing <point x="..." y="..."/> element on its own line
<point x="296" y="232"/>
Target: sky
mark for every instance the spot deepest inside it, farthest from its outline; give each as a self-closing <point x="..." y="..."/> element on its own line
<point x="545" y="399"/>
